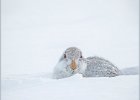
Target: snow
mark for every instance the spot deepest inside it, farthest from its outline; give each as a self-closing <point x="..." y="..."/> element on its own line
<point x="35" y="33"/>
<point x="130" y="71"/>
<point x="72" y="88"/>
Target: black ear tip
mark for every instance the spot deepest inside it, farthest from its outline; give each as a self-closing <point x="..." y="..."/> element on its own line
<point x="64" y="55"/>
<point x="81" y="57"/>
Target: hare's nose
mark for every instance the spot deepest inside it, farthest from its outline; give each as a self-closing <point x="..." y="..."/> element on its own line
<point x="73" y="65"/>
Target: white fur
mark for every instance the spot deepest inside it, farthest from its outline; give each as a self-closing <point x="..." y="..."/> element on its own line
<point x="61" y="70"/>
<point x="82" y="66"/>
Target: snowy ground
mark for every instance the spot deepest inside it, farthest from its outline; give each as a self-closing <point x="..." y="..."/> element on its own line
<point x="35" y="33"/>
<point x="27" y="87"/>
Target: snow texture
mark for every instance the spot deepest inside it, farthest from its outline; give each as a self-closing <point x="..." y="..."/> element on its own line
<point x="34" y="33"/>
<point x="130" y="71"/>
<point x="40" y="87"/>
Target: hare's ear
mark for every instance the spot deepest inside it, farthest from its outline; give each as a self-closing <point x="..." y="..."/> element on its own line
<point x="81" y="55"/>
<point x="64" y="55"/>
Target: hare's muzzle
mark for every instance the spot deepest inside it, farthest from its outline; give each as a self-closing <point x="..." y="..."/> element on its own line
<point x="73" y="65"/>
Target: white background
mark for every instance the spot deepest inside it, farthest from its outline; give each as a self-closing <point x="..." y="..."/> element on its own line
<point x="36" y="32"/>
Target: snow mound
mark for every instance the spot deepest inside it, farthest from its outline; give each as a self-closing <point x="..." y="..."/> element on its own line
<point x="130" y="71"/>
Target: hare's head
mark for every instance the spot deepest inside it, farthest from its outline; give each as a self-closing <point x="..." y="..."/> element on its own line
<point x="72" y="56"/>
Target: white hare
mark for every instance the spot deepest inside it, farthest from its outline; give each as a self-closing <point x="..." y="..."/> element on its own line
<point x="72" y="62"/>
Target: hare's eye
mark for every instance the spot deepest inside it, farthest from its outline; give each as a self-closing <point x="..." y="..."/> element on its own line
<point x="64" y="55"/>
<point x="81" y="56"/>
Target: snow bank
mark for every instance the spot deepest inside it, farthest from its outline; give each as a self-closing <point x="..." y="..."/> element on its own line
<point x="72" y="88"/>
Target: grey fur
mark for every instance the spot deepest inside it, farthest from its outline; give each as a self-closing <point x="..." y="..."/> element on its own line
<point x="99" y="67"/>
